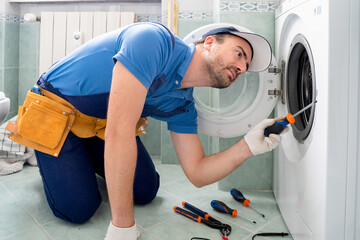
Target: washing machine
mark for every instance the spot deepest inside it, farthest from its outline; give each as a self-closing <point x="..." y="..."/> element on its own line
<point x="312" y="166"/>
<point x="316" y="166"/>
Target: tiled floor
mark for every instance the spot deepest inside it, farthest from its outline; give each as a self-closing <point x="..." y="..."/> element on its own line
<point x="24" y="213"/>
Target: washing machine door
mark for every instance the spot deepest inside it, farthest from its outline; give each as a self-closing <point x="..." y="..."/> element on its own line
<point x="233" y="111"/>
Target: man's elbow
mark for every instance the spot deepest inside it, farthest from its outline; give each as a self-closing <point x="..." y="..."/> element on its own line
<point x="197" y="182"/>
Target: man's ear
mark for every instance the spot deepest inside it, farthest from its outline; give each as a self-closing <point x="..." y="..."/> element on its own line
<point x="209" y="40"/>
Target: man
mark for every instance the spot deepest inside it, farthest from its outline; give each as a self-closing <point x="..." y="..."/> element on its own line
<point x="138" y="71"/>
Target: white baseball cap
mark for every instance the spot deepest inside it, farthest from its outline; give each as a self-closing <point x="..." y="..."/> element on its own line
<point x="261" y="49"/>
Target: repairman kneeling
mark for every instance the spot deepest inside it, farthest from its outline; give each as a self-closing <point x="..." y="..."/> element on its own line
<point x="141" y="70"/>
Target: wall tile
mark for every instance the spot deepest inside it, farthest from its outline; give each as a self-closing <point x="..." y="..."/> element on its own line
<point x="254" y="174"/>
<point x="185" y="27"/>
<point x="29" y="45"/>
<point x="1" y="44"/>
<point x="1" y="78"/>
<point x="152" y="139"/>
<point x="168" y="153"/>
<point x="11" y="44"/>
<point x="11" y="86"/>
<point x="27" y="79"/>
<point x="262" y="23"/>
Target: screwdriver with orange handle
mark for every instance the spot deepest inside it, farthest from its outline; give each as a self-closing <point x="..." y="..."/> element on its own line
<point x="280" y="125"/>
<point x="199" y="212"/>
<point x="222" y="207"/>
<point x="238" y="196"/>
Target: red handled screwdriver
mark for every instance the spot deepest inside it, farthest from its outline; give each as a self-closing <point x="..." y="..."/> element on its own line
<point x="222" y="207"/>
<point x="238" y="196"/>
<point x="280" y="125"/>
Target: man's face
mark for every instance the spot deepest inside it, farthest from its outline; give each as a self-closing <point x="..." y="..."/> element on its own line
<point x="227" y="60"/>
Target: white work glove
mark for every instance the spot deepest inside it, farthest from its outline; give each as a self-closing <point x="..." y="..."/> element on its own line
<point x="257" y="141"/>
<point x="115" y="233"/>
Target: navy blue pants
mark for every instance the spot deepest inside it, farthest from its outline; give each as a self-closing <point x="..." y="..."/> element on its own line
<point x="70" y="182"/>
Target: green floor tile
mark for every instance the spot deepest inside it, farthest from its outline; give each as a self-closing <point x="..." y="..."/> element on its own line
<point x="156" y="212"/>
<point x="186" y="191"/>
<point x="93" y="229"/>
<point x="276" y="225"/>
<point x="5" y="197"/>
<point x="32" y="234"/>
<point x="26" y="187"/>
<point x="27" y="171"/>
<point x="146" y="236"/>
<point x="22" y="195"/>
<point x="180" y="228"/>
<point x="38" y="208"/>
<point x="13" y="220"/>
<point x="169" y="173"/>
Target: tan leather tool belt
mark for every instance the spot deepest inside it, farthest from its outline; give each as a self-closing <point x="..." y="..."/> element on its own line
<point x="45" y="120"/>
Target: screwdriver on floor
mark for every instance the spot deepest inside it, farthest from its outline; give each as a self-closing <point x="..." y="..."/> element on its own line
<point x="238" y="196"/>
<point x="222" y="207"/>
<point x="280" y="125"/>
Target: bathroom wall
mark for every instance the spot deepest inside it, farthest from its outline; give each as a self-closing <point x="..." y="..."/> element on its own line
<point x="9" y="54"/>
<point x="257" y="172"/>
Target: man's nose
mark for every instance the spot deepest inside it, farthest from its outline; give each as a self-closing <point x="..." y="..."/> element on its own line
<point x="241" y="67"/>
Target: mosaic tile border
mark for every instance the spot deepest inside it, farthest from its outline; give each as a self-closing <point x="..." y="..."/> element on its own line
<point x="9" y="17"/>
<point x="225" y="6"/>
<point x="148" y="18"/>
<point x="236" y="6"/>
<point x="192" y="15"/>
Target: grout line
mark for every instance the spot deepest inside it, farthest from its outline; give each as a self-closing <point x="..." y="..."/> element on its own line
<point x="153" y="236"/>
<point x="267" y="224"/>
<point x="172" y="181"/>
<point x="158" y="224"/>
<point x="22" y="206"/>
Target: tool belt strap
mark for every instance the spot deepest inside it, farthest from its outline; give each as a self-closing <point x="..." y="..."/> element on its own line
<point x="45" y="120"/>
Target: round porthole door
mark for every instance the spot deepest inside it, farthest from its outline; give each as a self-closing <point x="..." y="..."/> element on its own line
<point x="233" y="111"/>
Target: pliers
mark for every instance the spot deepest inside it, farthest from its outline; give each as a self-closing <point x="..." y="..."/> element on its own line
<point x="203" y="217"/>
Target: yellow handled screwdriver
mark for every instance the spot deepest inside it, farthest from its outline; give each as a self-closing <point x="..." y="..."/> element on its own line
<point x="280" y="125"/>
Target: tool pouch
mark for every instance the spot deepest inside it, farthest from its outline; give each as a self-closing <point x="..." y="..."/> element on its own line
<point x="45" y="120"/>
<point x="42" y="124"/>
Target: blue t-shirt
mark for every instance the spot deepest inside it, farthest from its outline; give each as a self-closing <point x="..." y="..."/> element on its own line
<point x="158" y="60"/>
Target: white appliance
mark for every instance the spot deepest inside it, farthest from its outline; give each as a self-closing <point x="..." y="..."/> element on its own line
<point x="4" y="107"/>
<point x="315" y="165"/>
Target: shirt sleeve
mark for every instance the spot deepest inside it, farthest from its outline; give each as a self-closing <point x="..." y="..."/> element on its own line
<point x="144" y="51"/>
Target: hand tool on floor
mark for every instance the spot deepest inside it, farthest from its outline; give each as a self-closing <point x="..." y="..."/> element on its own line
<point x="200" y="216"/>
<point x="280" y="125"/>
<point x="282" y="234"/>
<point x="222" y="207"/>
<point x="238" y="196"/>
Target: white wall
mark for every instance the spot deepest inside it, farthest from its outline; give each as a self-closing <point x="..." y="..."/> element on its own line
<point x="108" y="6"/>
<point x="138" y="8"/>
<point x="7" y="7"/>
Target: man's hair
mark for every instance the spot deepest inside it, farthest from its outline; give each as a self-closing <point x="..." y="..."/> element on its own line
<point x="219" y="37"/>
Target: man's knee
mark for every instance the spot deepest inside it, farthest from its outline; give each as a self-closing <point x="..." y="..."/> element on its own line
<point x="76" y="213"/>
<point x="145" y="194"/>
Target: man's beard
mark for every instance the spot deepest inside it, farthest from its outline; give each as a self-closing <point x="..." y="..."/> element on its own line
<point x="217" y="74"/>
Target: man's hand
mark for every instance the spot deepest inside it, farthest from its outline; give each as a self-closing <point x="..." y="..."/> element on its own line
<point x="115" y="233"/>
<point x="257" y="141"/>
